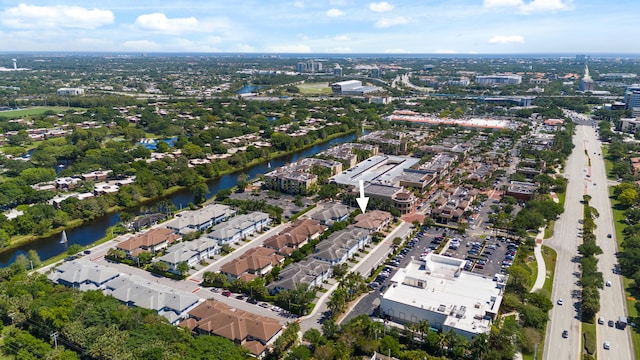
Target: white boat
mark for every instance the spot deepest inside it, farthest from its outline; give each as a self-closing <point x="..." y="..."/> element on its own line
<point x="63" y="240"/>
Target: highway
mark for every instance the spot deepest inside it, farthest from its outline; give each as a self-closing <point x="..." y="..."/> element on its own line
<point x="612" y="302"/>
<point x="591" y="180"/>
<point x="565" y="242"/>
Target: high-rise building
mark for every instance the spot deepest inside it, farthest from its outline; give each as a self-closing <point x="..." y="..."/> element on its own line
<point x="337" y="71"/>
<point x="586" y="84"/>
<point x="301" y="67"/>
<point x="632" y="97"/>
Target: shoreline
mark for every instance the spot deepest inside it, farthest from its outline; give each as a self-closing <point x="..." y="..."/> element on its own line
<point x="26" y="239"/>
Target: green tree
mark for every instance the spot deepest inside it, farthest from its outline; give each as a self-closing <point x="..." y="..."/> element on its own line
<point x="74" y="249"/>
<point x="34" y="258"/>
<point x="182" y="267"/>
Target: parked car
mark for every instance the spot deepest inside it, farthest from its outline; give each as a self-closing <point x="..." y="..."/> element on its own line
<point x="252" y="301"/>
<point x="263" y="305"/>
<point x="610" y="323"/>
<point x="560" y="301"/>
<point x="565" y="334"/>
<point x="601" y="320"/>
<point x="226" y="293"/>
<point x="606" y="345"/>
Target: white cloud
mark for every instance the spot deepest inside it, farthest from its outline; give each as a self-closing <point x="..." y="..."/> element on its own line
<point x="340" y="50"/>
<point x="341" y="38"/>
<point x="501" y="3"/>
<point x="381" y="7"/>
<point x="298" y="4"/>
<point x="159" y="22"/>
<point x="335" y="12"/>
<point x="531" y="6"/>
<point x="388" y="22"/>
<point x="396" y="51"/>
<point x="544" y="6"/>
<point x="290" y="49"/>
<point x="141" y="45"/>
<point x="506" y="39"/>
<point x="48" y="17"/>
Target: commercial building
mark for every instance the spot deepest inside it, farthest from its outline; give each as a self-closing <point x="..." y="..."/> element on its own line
<point x="630" y="125"/>
<point x="70" y="92"/>
<point x="352" y="87"/>
<point x="337" y="71"/>
<point x="521" y="190"/>
<point x="499" y="79"/>
<point x="632" y="97"/>
<point x="586" y="83"/>
<point x="438" y="290"/>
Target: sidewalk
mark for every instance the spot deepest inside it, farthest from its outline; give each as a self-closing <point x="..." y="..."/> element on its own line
<point x="542" y="269"/>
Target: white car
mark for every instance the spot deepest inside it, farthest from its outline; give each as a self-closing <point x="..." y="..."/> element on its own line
<point x="560" y="301"/>
<point x="606" y="345"/>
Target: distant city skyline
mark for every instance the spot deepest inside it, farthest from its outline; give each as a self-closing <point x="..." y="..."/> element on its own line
<point x="323" y="26"/>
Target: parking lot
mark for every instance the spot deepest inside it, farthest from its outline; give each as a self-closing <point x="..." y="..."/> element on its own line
<point x="485" y="255"/>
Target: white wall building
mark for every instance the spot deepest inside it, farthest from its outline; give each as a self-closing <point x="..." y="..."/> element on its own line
<point x="440" y="291"/>
<point x="70" y="92"/>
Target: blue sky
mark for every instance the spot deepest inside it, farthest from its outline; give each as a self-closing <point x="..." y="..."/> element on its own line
<point x="323" y="26"/>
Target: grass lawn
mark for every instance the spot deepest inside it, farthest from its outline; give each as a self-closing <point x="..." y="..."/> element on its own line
<point x="36" y="110"/>
<point x="549" y="256"/>
<point x="314" y="88"/>
<point x="608" y="165"/>
<point x="618" y="220"/>
<point x="589" y="329"/>
<point x="548" y="231"/>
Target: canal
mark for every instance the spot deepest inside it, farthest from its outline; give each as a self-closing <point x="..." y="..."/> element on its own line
<point x="92" y="231"/>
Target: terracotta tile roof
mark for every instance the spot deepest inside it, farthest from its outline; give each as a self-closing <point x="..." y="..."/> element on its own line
<point x="296" y="234"/>
<point x="251" y="261"/>
<point x="237" y="325"/>
<point x="148" y="239"/>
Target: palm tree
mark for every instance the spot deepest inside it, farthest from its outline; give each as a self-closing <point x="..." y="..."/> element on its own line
<point x="480" y="346"/>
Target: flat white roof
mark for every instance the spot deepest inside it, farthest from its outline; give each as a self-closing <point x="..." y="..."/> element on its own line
<point x="378" y="169"/>
<point x="464" y="297"/>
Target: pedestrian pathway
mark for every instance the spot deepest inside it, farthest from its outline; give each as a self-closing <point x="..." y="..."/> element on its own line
<point x="542" y="269"/>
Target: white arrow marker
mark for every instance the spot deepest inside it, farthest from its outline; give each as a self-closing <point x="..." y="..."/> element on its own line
<point x="362" y="200"/>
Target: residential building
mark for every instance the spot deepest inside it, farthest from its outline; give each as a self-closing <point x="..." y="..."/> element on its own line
<point x="251" y="331"/>
<point x="337" y="71"/>
<point x="309" y="271"/>
<point x="83" y="274"/>
<point x="341" y="245"/>
<point x="190" y="252"/>
<point x="373" y="221"/>
<point x="388" y="141"/>
<point x="200" y="219"/>
<point x="295" y="236"/>
<point x="296" y="178"/>
<point x="255" y="262"/>
<point x="151" y="241"/>
<point x="239" y="227"/>
<point x="99" y="175"/>
<point x="346" y="153"/>
<point x="135" y="291"/>
<point x="331" y="213"/>
<point x="438" y="290"/>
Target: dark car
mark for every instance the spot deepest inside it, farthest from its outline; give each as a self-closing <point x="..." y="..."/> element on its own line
<point x="610" y="323"/>
<point x="565" y="334"/>
<point x="608" y="236"/>
<point x="240" y="297"/>
<point x="252" y="301"/>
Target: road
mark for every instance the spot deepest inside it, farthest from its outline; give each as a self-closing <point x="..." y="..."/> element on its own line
<point x="565" y="241"/>
<point x="612" y="301"/>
